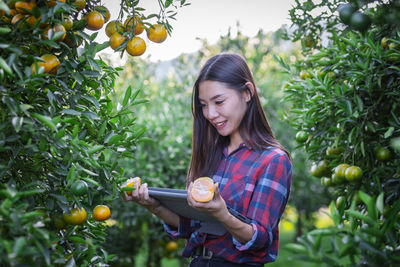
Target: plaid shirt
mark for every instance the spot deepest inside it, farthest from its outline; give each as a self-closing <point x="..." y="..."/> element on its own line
<point x="256" y="184"/>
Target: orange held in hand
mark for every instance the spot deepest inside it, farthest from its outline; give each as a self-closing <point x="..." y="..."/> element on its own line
<point x="203" y="189"/>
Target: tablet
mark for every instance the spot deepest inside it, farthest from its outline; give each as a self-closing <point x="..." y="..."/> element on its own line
<point x="176" y="201"/>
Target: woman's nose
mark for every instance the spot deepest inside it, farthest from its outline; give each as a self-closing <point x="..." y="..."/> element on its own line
<point x="211" y="113"/>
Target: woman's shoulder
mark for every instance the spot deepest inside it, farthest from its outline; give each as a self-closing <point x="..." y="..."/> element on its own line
<point x="273" y="151"/>
<point x="270" y="153"/>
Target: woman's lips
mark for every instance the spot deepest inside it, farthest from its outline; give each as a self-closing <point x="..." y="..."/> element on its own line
<point x="220" y="125"/>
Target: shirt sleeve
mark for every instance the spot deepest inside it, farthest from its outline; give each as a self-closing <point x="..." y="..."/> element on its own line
<point x="268" y="202"/>
<point x="185" y="228"/>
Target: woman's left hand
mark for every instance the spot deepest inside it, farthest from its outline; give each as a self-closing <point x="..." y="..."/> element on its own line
<point x="216" y="207"/>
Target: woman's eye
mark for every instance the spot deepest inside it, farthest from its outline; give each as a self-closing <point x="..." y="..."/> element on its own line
<point x="219" y="102"/>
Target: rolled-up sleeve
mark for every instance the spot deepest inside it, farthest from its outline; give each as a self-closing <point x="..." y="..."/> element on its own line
<point x="268" y="202"/>
<point x="185" y="228"/>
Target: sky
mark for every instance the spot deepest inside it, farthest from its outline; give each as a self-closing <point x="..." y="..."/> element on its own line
<point x="207" y="19"/>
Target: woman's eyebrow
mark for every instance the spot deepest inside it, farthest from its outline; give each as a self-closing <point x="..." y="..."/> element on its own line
<point x="212" y="98"/>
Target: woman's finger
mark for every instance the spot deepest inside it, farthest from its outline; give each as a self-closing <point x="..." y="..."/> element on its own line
<point x="145" y="192"/>
<point x="126" y="197"/>
<point x="216" y="191"/>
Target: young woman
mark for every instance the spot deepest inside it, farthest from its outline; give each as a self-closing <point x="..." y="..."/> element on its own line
<point x="233" y="144"/>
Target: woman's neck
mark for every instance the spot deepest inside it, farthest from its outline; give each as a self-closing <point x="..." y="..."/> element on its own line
<point x="234" y="143"/>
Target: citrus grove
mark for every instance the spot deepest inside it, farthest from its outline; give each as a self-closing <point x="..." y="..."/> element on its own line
<point x="59" y="126"/>
<point x="345" y="107"/>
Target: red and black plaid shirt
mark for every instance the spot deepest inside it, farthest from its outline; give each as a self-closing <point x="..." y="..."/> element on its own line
<point x="257" y="185"/>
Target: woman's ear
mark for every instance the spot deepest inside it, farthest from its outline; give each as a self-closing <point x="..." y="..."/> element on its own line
<point x="248" y="94"/>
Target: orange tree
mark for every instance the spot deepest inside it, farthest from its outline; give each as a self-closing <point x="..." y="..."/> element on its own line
<point x="345" y="96"/>
<point x="59" y="130"/>
<point x="162" y="157"/>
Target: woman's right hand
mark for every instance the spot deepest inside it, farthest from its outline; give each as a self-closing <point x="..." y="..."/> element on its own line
<point x="140" y="195"/>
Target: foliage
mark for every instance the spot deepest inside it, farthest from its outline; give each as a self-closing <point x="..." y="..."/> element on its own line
<point x="344" y="94"/>
<point x="58" y="125"/>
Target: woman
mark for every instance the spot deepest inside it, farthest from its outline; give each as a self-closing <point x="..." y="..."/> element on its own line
<point x="233" y="144"/>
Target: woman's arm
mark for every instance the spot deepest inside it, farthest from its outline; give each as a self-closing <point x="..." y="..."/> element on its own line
<point x="140" y="195"/>
<point x="241" y="231"/>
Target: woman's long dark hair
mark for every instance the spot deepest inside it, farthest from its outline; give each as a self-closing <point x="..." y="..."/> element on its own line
<point x="207" y="144"/>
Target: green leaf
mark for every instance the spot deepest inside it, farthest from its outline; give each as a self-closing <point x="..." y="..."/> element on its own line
<point x="140" y="101"/>
<point x="360" y="216"/>
<point x="323" y="232"/>
<point x="127" y="96"/>
<point x="95" y="149"/>
<point x="57" y="35"/>
<point x="45" y="120"/>
<point x="100" y="47"/>
<point x="364" y="197"/>
<point x="89" y="172"/>
<point x="71" y="112"/>
<point x="91" y="181"/>
<point x="380" y="203"/>
<point x="77" y="239"/>
<point x="389" y="132"/>
<point x="91" y="115"/>
<point x="114" y="139"/>
<point x="296" y="248"/>
<point x="168" y="3"/>
<point x="17" y="123"/>
<point x="19" y="245"/>
<point x="11" y="104"/>
<point x="135" y="94"/>
<point x="334" y="215"/>
<point x="362" y="148"/>
<point x="78" y="77"/>
<point x="5" y="67"/>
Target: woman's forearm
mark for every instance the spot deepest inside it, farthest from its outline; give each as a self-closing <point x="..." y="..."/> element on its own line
<point x="165" y="214"/>
<point x="241" y="231"/>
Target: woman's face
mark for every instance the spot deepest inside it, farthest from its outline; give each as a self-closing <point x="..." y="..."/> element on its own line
<point x="223" y="107"/>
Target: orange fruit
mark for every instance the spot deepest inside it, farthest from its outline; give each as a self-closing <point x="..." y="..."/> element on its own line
<point x="136" y="46"/>
<point x="95" y="20"/>
<point x="129" y="183"/>
<point x="157" y="33"/>
<point x="75" y="216"/>
<point x="13" y="12"/>
<point x="80" y="4"/>
<point x="305" y="75"/>
<point x="171" y="246"/>
<point x="23" y="7"/>
<point x="68" y="23"/>
<point x="116" y="40"/>
<point x="50" y="64"/>
<point x="203" y="189"/>
<point x="58" y="27"/>
<point x="353" y="173"/>
<point x="59" y="222"/>
<point x="384" y="42"/>
<point x="52" y="3"/>
<point x="113" y="26"/>
<point x="139" y="28"/>
<point x="17" y="18"/>
<point x="103" y="11"/>
<point x="31" y="20"/>
<point x="101" y="212"/>
<point x="340" y="170"/>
